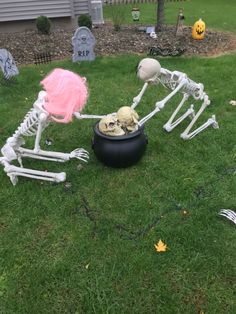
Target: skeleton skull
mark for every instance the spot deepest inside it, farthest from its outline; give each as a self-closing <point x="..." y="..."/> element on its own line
<point x="128" y="118"/>
<point x="110" y="126"/>
<point x="148" y="69"/>
<point x="153" y="35"/>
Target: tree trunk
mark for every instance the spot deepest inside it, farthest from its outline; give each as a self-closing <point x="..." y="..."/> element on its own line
<point x="160" y="15"/>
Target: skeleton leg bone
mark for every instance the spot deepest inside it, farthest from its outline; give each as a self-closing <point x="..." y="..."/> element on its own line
<point x="212" y="121"/>
<point x="189" y="112"/>
<point x="170" y="125"/>
<point x="13" y="172"/>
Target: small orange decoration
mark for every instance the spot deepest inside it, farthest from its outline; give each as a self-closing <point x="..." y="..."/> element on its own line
<point x="160" y="246"/>
<point x="198" y="30"/>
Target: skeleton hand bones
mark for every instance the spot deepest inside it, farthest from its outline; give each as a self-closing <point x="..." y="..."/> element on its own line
<point x="80" y="153"/>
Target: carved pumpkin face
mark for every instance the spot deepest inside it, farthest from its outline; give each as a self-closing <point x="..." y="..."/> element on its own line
<point x="198" y="31"/>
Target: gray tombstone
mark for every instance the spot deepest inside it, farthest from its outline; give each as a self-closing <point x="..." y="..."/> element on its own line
<point x="7" y="64"/>
<point x="83" y="42"/>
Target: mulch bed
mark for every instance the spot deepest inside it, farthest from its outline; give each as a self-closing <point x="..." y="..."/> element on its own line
<point x="24" y="45"/>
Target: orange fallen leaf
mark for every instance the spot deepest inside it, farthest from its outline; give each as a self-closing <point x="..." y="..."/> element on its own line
<point x="160" y="246"/>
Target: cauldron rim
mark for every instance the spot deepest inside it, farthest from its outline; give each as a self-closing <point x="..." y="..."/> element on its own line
<point x="119" y="137"/>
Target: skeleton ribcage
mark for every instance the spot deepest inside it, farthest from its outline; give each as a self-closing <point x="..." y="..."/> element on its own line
<point x="172" y="81"/>
<point x="29" y="125"/>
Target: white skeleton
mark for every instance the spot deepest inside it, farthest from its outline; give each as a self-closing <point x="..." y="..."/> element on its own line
<point x="35" y="121"/>
<point x="176" y="82"/>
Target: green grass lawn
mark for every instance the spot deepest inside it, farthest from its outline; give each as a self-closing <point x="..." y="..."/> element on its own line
<point x="216" y="13"/>
<point x="90" y="248"/>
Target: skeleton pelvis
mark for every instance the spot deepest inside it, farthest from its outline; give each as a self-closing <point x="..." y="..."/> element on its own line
<point x="8" y="152"/>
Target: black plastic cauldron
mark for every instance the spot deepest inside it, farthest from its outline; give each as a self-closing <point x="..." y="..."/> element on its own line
<point x="119" y="151"/>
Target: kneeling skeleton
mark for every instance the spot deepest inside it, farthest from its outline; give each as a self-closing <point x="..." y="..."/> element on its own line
<point x="38" y="118"/>
<point x="151" y="72"/>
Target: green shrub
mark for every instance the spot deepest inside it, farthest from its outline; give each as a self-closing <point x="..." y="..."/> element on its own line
<point x="117" y="16"/>
<point x="43" y="24"/>
<point x="85" y="20"/>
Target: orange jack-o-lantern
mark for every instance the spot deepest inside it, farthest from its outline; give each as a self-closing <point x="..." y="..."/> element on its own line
<point x="198" y="31"/>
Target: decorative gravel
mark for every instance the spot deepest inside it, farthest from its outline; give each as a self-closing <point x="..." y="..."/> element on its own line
<point x="24" y="45"/>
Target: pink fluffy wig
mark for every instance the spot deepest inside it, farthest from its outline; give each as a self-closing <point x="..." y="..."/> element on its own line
<point x="67" y="93"/>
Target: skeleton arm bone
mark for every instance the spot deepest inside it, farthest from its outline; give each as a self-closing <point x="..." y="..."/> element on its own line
<point x="161" y="104"/>
<point x="137" y="99"/>
<point x="78" y="153"/>
<point x="43" y="117"/>
<point x="87" y="116"/>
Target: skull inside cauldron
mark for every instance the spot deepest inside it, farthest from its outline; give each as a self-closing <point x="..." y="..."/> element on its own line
<point x="119" y="151"/>
<point x="109" y="126"/>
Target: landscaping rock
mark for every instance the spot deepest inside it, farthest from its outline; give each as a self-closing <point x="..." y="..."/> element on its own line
<point x="24" y="45"/>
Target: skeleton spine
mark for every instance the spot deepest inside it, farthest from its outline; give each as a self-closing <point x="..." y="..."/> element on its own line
<point x="192" y="88"/>
<point x="29" y="125"/>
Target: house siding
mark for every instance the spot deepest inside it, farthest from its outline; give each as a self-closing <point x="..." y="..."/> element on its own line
<point x="15" y="10"/>
<point x="81" y="7"/>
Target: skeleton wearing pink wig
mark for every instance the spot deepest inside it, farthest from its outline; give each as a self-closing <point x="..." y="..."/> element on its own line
<point x="65" y="93"/>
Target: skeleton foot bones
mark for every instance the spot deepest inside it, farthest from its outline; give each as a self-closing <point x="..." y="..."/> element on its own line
<point x="65" y="92"/>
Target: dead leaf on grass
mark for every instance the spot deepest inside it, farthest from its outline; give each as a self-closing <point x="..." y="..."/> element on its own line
<point x="160" y="246"/>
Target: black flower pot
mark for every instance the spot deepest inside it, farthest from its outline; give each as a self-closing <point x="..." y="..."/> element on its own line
<point x="119" y="151"/>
